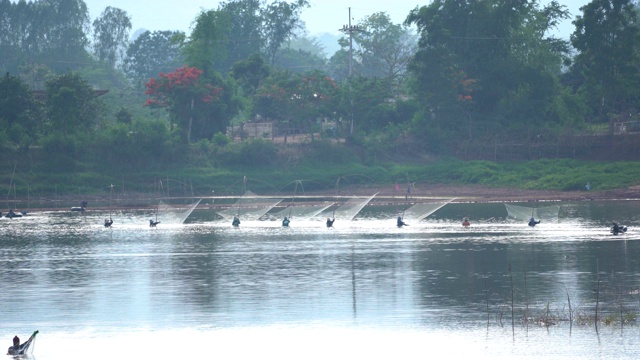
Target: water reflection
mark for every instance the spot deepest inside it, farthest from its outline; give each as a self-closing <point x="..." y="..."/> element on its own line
<point x="365" y="285"/>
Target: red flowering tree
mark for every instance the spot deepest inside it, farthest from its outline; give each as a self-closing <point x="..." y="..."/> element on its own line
<point x="189" y="99"/>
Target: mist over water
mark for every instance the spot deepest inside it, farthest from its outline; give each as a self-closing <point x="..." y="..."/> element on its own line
<point x="364" y="288"/>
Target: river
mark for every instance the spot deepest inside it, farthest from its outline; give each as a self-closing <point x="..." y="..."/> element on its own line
<point x="365" y="288"/>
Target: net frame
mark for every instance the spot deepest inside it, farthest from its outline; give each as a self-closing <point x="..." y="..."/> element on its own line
<point x="419" y="211"/>
<point x="351" y="208"/>
<point x="524" y="213"/>
<point x="175" y="214"/>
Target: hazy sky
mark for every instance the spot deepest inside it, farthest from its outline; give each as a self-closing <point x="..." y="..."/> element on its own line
<point x="322" y="16"/>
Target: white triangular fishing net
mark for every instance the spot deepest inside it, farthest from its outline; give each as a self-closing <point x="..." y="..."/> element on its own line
<point x="249" y="207"/>
<point x="351" y="208"/>
<point x="420" y="211"/>
<point x="523" y="213"/>
<point x="175" y="214"/>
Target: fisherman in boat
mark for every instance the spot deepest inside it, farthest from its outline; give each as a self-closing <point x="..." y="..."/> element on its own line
<point x="285" y="222"/>
<point x="11" y="214"/>
<point x="400" y="222"/>
<point x="108" y="222"/>
<point x="466" y="222"/>
<point x="19" y="349"/>
<point x="152" y="223"/>
<point x="330" y="222"/>
<point x="236" y="221"/>
<point x="533" y="222"/>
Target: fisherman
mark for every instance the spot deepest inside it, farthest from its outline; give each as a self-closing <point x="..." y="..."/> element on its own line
<point x="236" y="221"/>
<point x="330" y="222"/>
<point x="533" y="222"/>
<point x="615" y="229"/>
<point x="17" y="348"/>
<point x="11" y="214"/>
<point x="153" y="223"/>
<point x="400" y="222"/>
<point x="108" y="222"/>
<point x="466" y="222"/>
<point x="285" y="222"/>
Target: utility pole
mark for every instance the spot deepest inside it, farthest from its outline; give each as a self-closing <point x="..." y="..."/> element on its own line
<point x="350" y="29"/>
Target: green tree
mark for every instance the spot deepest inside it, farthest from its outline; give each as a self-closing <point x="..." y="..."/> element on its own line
<point x="250" y="73"/>
<point x="338" y="64"/>
<point x="476" y="59"/>
<point x="73" y="106"/>
<point x="608" y="37"/>
<point x="49" y="32"/>
<point x="297" y="100"/>
<point x="60" y="28"/>
<point x="205" y="48"/>
<point x="243" y="31"/>
<point x="20" y="114"/>
<point x="152" y="53"/>
<point x="281" y="19"/>
<point x="385" y="48"/>
<point x="111" y="35"/>
<point x="365" y="101"/>
<point x="255" y="26"/>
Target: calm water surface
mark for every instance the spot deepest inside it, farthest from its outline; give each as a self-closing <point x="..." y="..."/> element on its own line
<point x="363" y="289"/>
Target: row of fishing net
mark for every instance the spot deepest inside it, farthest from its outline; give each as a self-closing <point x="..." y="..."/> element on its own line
<point x="524" y="213"/>
<point x="249" y="207"/>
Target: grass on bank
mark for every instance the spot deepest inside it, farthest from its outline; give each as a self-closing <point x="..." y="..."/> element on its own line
<point x="314" y="175"/>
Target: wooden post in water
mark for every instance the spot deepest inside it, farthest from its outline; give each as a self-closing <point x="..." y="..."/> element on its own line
<point x="526" y="299"/>
<point x="597" y="293"/>
<point x="486" y="291"/>
<point x="513" y="320"/>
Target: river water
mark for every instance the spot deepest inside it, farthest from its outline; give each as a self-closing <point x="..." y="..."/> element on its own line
<point x="362" y="289"/>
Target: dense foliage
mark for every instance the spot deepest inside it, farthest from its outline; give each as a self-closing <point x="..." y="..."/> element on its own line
<point x="83" y="97"/>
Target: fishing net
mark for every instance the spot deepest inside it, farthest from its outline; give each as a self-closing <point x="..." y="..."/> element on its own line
<point x="249" y="207"/>
<point x="523" y="213"/>
<point x="351" y="208"/>
<point x="26" y="348"/>
<point x="175" y="214"/>
<point x="420" y="211"/>
<point x="301" y="212"/>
